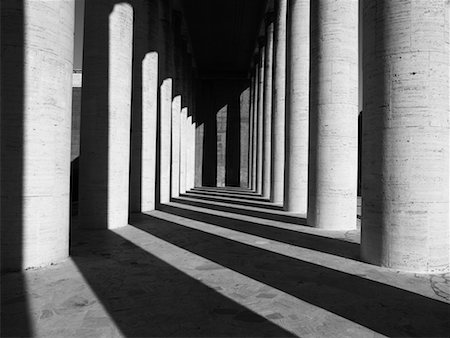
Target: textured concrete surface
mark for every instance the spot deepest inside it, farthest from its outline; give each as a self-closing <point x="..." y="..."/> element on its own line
<point x="297" y="107"/>
<point x="37" y="58"/>
<point x="244" y="137"/>
<point x="267" y="107"/>
<point x="255" y="128"/>
<point x="165" y="113"/>
<point x="144" y="104"/>
<point x="199" y="138"/>
<point x="405" y="135"/>
<point x="221" y="120"/>
<point x="333" y="132"/>
<point x="177" y="121"/>
<point x="189" y="271"/>
<point x="149" y="130"/>
<point x="190" y="152"/>
<point x="165" y="142"/>
<point x="106" y="115"/>
<point x="260" y="127"/>
<point x="251" y="135"/>
<point x="184" y="149"/>
<point x="279" y="103"/>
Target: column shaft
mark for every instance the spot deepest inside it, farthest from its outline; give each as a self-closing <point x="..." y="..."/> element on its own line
<point x="250" y="134"/>
<point x="333" y="114"/>
<point x="177" y="128"/>
<point x="37" y="55"/>
<point x="279" y="104"/>
<point x="144" y="108"/>
<point x="260" y="142"/>
<point x="199" y="139"/>
<point x="244" y="137"/>
<point x="255" y="128"/>
<point x="405" y="135"/>
<point x="184" y="149"/>
<point x="165" y="106"/>
<point x="297" y="107"/>
<point x="221" y="123"/>
<point x="190" y="153"/>
<point x="267" y="114"/>
<point x="105" y="115"/>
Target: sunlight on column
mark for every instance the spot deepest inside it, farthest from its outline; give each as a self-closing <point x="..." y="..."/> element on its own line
<point x="183" y="149"/>
<point x="149" y="130"/>
<point x="119" y="112"/>
<point x="165" y="131"/>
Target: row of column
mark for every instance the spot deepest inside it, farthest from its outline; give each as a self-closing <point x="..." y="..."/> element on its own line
<point x="304" y="123"/>
<point x="137" y="130"/>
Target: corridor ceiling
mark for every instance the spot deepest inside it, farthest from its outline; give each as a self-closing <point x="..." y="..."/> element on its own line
<point x="223" y="35"/>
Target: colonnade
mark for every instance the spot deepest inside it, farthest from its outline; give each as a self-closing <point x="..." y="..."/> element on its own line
<point x="304" y="130"/>
<point x="138" y="121"/>
<point x="140" y="139"/>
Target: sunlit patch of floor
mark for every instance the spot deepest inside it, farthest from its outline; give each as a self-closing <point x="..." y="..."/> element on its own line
<point x="189" y="271"/>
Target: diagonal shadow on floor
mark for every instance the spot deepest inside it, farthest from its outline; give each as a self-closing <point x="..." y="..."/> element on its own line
<point x="275" y="215"/>
<point x="147" y="297"/>
<point x="250" y="197"/>
<point x="382" y="308"/>
<point x="235" y="200"/>
<point x="319" y="243"/>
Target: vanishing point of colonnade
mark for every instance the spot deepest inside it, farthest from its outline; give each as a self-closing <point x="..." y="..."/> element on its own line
<point x="138" y="74"/>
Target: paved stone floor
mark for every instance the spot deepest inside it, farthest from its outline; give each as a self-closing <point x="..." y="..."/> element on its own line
<point x="217" y="263"/>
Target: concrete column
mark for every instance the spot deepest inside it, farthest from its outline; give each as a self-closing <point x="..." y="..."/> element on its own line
<point x="278" y="104"/>
<point x="190" y="176"/>
<point x="177" y="124"/>
<point x="250" y="134"/>
<point x="193" y="153"/>
<point x="267" y="108"/>
<point x="165" y="106"/>
<point x="189" y="153"/>
<point x="37" y="52"/>
<point x="333" y="160"/>
<point x="184" y="131"/>
<point x="405" y="135"/>
<point x="244" y="103"/>
<point x="255" y="127"/>
<point x="221" y="122"/>
<point x="199" y="137"/>
<point x="260" y="142"/>
<point x="144" y="106"/>
<point x="297" y="107"/>
<point x="165" y="139"/>
<point x="149" y="123"/>
<point x="105" y="115"/>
